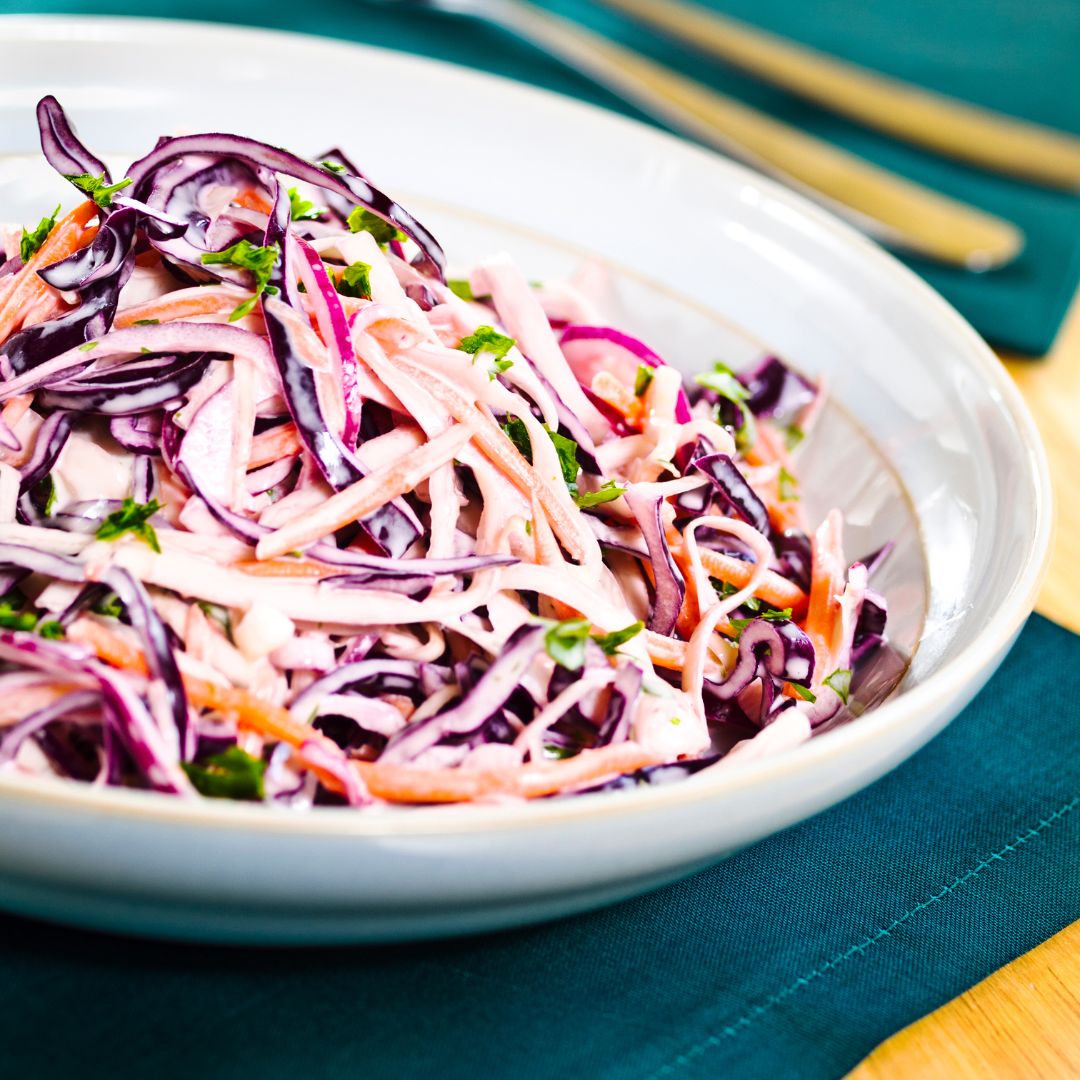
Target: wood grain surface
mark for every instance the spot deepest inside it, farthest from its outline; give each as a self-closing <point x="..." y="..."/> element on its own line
<point x="1024" y="1020"/>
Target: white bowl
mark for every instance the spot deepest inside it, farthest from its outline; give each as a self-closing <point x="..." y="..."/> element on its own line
<point x="699" y="246"/>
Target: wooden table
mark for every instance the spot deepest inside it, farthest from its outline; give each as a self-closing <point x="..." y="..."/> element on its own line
<point x="1024" y="1020"/>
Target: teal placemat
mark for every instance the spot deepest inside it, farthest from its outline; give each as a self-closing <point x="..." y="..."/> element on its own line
<point x="1011" y="55"/>
<point x="793" y="959"/>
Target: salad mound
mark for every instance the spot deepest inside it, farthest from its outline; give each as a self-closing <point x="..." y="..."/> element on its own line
<point x="288" y="515"/>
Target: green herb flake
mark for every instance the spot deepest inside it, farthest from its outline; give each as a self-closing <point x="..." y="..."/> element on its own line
<point x="355" y="281"/>
<point x="13" y="619"/>
<point x="725" y="588"/>
<point x="793" y="435"/>
<point x="89" y="345"/>
<point x="460" y="287"/>
<point x="146" y="322"/>
<point x="48" y="489"/>
<point x="94" y="187"/>
<point x="606" y="493"/>
<point x="567" y="451"/>
<point x="303" y="209"/>
<point x="559" y="752"/>
<point x="723" y="381"/>
<point x="133" y="518"/>
<point x="770" y="615"/>
<point x="333" y="166"/>
<point x="232" y="774"/>
<point x="501" y="366"/>
<point x="676" y="720"/>
<point x="565" y="643"/>
<point x="788" y="486"/>
<point x="217" y="614"/>
<point x="361" y="220"/>
<point x="840" y="681"/>
<point x="487" y="341"/>
<point x="610" y="643"/>
<point x="109" y="606"/>
<point x="258" y="261"/>
<point x="805" y="694"/>
<point x="643" y="380"/>
<point x="516" y="431"/>
<point x="31" y="241"/>
<point x="51" y="630"/>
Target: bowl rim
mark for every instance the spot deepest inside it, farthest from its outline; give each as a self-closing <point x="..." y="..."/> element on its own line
<point x="947" y="683"/>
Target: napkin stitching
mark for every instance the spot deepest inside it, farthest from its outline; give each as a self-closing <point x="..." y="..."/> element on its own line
<point x="749" y="1017"/>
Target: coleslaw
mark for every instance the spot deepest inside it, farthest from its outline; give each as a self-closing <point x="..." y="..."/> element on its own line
<point x="287" y="514"/>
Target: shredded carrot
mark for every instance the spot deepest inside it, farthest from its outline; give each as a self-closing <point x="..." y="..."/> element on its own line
<point x="409" y="784"/>
<point x="775" y="590"/>
<point x="281" y="441"/>
<point x="249" y="711"/>
<point x="619" y="396"/>
<point x="826" y="585"/>
<point x="15" y="409"/>
<point x="395" y="783"/>
<point x="358" y="500"/>
<point x="502" y="453"/>
<point x="285" y="568"/>
<point x="171" y="308"/>
<point x="250" y="199"/>
<point x="68" y="235"/>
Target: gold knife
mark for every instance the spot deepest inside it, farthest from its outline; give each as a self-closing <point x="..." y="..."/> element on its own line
<point x="892" y="209"/>
<point x="946" y="125"/>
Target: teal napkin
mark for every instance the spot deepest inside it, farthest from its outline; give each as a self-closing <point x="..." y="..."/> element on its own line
<point x="1010" y="55"/>
<point x="793" y="959"/>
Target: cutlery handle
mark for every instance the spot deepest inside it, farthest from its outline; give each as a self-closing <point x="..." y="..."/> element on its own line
<point x="888" y="207"/>
<point x="945" y="125"/>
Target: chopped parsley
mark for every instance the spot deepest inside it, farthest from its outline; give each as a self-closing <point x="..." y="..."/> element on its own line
<point x="51" y="630"/>
<point x="840" y="681"/>
<point x="802" y="691"/>
<point x="217" y="614"/>
<point x="333" y="166"/>
<point x="643" y="379"/>
<point x="460" y="287"/>
<point x="611" y="642"/>
<point x="146" y="322"/>
<point x="258" y="261"/>
<point x="303" y="209"/>
<point x="769" y="615"/>
<point x="608" y="491"/>
<point x="518" y="434"/>
<point x="722" y="380"/>
<point x="48" y="488"/>
<point x="567" y="451"/>
<point x="789" y="486"/>
<point x="94" y="187"/>
<point x="109" y="606"/>
<point x="232" y="774"/>
<point x="355" y="281"/>
<point x="89" y="345"/>
<point x="13" y="619"/>
<point x="31" y="241"/>
<point x="134" y="518"/>
<point x="565" y="641"/>
<point x="361" y="220"/>
<point x="793" y="435"/>
<point x="486" y="340"/>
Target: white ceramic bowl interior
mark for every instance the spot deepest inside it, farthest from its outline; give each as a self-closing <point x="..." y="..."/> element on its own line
<point x="928" y="444"/>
